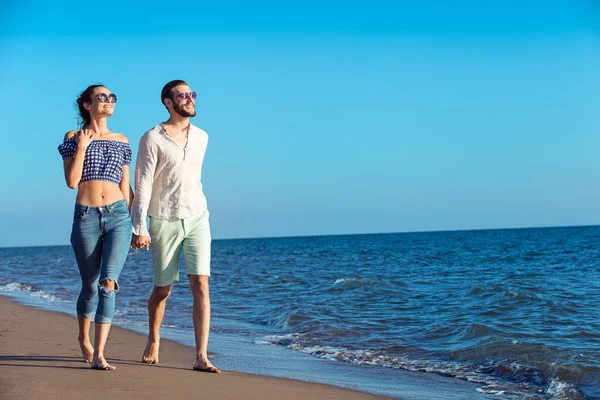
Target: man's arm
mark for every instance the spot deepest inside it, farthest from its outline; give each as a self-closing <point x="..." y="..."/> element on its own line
<point x="144" y="180"/>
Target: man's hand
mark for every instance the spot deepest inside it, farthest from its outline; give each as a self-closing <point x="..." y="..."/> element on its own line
<point x="140" y="242"/>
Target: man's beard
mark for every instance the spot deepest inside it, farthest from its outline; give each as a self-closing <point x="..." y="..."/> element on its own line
<point x="181" y="111"/>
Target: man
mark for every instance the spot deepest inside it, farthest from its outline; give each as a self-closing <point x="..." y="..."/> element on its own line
<point x="169" y="191"/>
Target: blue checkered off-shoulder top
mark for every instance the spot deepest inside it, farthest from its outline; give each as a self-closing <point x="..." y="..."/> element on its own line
<point x="104" y="159"/>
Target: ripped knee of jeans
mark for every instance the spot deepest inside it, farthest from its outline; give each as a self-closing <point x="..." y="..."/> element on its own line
<point x="108" y="286"/>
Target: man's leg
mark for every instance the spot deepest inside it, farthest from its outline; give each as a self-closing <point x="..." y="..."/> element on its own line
<point x="201" y="316"/>
<point x="196" y="251"/>
<point x="166" y="236"/>
<point x="156" y="311"/>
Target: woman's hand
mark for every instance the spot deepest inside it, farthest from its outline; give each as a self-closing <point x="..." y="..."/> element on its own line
<point x="84" y="137"/>
<point x="140" y="242"/>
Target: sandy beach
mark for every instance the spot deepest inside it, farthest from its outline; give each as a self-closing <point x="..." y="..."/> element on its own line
<point x="40" y="358"/>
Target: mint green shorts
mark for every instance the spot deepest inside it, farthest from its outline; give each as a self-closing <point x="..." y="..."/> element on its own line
<point x="169" y="237"/>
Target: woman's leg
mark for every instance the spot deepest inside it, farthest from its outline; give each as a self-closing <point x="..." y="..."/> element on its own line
<point x="87" y="246"/>
<point x="100" y="337"/>
<point x="117" y="240"/>
<point x="87" y="351"/>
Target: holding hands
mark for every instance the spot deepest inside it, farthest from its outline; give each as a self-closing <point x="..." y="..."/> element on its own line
<point x="140" y="242"/>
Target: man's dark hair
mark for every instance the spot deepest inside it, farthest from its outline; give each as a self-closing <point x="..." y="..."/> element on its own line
<point x="166" y="90"/>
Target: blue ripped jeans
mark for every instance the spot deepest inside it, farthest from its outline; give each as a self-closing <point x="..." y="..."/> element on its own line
<point x="101" y="237"/>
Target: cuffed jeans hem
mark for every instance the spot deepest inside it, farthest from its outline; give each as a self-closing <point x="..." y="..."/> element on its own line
<point x="102" y="320"/>
<point x="99" y="319"/>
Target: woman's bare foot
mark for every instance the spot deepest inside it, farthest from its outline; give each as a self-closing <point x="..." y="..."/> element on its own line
<point x="100" y="363"/>
<point x="205" y="366"/>
<point x="151" y="352"/>
<point x="86" y="350"/>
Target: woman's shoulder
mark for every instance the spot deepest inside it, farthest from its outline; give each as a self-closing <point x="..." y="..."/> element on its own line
<point x="70" y="134"/>
<point x="119" y="137"/>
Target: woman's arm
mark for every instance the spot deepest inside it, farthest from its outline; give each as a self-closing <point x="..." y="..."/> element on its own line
<point x="131" y="196"/>
<point x="73" y="166"/>
<point x="125" y="185"/>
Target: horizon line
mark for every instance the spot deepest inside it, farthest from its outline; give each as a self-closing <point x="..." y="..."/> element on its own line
<point x="358" y="234"/>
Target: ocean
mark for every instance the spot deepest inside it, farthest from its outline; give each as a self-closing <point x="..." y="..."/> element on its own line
<point x="515" y="312"/>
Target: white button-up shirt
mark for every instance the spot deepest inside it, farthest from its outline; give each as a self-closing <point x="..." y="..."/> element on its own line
<point x="167" y="177"/>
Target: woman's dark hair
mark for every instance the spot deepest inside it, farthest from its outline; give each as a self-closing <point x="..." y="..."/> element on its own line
<point x="85" y="97"/>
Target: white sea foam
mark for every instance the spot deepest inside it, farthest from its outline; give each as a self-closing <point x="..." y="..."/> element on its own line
<point x="351" y="281"/>
<point x="277" y="339"/>
<point x="560" y="390"/>
<point x="489" y="385"/>
<point x="47" y="296"/>
<point x="491" y="389"/>
<point x="17" y="287"/>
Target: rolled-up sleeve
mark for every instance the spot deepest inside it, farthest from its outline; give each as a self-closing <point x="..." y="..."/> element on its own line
<point x="144" y="179"/>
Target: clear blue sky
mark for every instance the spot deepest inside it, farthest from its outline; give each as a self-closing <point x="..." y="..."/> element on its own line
<point x="324" y="117"/>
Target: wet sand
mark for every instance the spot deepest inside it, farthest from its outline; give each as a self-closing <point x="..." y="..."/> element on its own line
<point x="40" y="359"/>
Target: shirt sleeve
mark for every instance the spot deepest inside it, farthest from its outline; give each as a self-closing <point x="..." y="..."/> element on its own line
<point x="68" y="148"/>
<point x="126" y="154"/>
<point x="145" y="167"/>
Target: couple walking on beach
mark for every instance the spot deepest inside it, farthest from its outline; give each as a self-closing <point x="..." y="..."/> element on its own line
<point x="109" y="219"/>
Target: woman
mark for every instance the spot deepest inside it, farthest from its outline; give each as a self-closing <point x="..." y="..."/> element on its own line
<point x="96" y="161"/>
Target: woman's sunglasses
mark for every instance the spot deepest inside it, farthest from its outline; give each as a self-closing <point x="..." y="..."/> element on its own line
<point x="106" y="98"/>
<point x="187" y="95"/>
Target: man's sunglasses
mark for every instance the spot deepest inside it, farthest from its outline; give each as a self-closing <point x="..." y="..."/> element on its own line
<point x="187" y="95"/>
<point x="106" y="98"/>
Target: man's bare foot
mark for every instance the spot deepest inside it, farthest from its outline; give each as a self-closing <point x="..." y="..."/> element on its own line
<point x="151" y="352"/>
<point x="100" y="363"/>
<point x="205" y="366"/>
<point x="86" y="350"/>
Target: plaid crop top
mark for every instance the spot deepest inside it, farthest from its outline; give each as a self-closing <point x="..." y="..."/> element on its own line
<point x="104" y="159"/>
